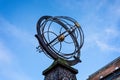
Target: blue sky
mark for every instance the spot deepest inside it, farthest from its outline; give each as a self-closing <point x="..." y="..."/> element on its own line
<point x="100" y="21"/>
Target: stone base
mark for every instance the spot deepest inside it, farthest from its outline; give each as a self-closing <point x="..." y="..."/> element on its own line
<point x="60" y="71"/>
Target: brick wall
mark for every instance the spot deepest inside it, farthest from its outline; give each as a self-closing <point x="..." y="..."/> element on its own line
<point x="114" y="65"/>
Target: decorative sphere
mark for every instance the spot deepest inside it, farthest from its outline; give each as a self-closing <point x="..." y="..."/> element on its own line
<point x="61" y="38"/>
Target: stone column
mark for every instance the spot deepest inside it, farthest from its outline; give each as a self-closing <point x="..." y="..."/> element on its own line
<point x="59" y="70"/>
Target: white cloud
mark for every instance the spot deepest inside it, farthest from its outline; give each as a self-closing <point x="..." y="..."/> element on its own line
<point x="73" y="4"/>
<point x="106" y="47"/>
<point x="15" y="75"/>
<point x="112" y="31"/>
<point x="109" y="34"/>
<point x="115" y="8"/>
<point x="104" y="40"/>
<point x="21" y="35"/>
<point x="5" y="56"/>
<point x="104" y="28"/>
<point x="18" y="33"/>
<point x="10" y="68"/>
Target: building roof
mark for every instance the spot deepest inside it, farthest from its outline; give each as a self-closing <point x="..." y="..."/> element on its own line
<point x="104" y="71"/>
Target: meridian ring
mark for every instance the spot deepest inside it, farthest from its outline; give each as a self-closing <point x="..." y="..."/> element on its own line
<point x="60" y="37"/>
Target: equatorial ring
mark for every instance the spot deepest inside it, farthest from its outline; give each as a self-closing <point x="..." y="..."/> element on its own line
<point x="60" y="37"/>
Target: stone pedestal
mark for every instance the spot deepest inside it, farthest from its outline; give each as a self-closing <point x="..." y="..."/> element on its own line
<point x="59" y="70"/>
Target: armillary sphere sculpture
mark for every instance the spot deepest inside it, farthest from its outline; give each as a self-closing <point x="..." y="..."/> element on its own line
<point x="60" y="37"/>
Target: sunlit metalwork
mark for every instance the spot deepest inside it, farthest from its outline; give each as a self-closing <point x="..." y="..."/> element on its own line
<point x="60" y="37"/>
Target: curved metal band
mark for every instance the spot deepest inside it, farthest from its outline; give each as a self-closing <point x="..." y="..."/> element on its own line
<point x="47" y="49"/>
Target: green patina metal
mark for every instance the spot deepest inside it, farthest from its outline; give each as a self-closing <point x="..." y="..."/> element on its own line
<point x="60" y="61"/>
